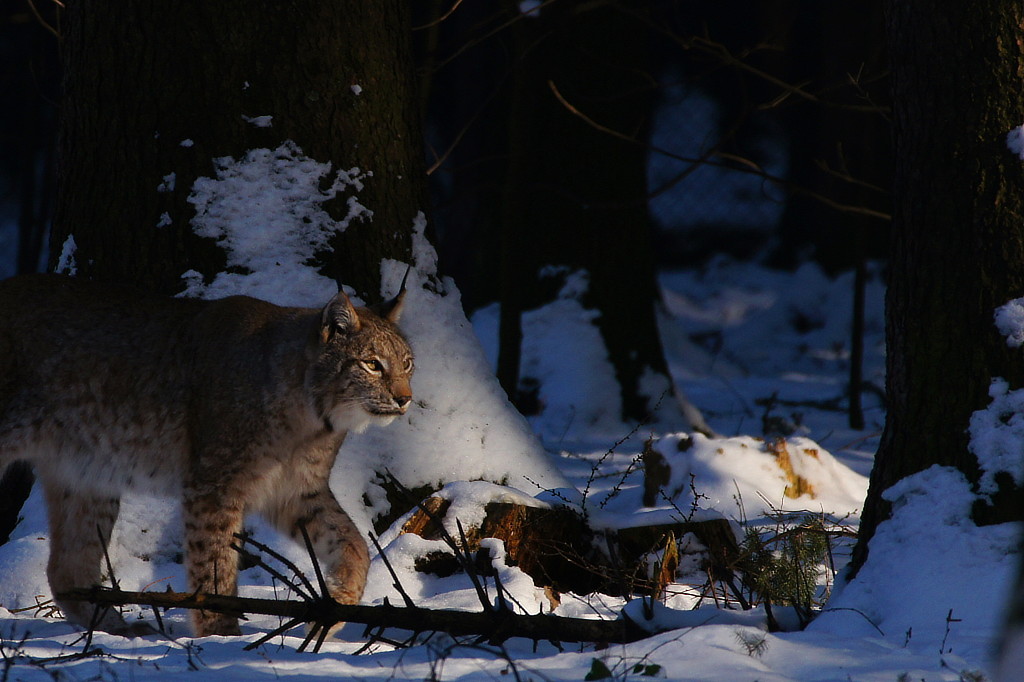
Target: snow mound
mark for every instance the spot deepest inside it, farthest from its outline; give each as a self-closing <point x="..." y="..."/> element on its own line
<point x="462" y="427"/>
<point x="564" y="360"/>
<point x="744" y="478"/>
<point x="266" y="211"/>
<point x="919" y="560"/>
<point x="784" y="472"/>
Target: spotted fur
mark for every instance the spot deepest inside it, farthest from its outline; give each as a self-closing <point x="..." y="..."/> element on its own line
<point x="233" y="406"/>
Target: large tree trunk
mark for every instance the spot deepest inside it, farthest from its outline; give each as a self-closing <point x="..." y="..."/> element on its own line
<point x="958" y="236"/>
<point x="159" y="88"/>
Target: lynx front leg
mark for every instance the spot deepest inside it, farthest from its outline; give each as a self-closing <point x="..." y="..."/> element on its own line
<point x="80" y="527"/>
<point x="211" y="521"/>
<point x="337" y="543"/>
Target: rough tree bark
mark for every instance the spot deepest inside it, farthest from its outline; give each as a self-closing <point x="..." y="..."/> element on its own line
<point x="159" y="88"/>
<point x="958" y="237"/>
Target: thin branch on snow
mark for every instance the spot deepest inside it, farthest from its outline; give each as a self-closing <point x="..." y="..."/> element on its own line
<point x="497" y="625"/>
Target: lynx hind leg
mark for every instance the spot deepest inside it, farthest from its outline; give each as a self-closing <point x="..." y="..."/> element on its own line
<point x="337" y="543"/>
<point x="210" y="526"/>
<point x="80" y="527"/>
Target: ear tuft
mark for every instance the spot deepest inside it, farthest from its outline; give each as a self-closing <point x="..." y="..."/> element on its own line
<point x="338" y="316"/>
<point x="392" y="310"/>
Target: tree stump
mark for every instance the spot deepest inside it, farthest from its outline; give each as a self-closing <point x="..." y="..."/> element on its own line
<point x="556" y="547"/>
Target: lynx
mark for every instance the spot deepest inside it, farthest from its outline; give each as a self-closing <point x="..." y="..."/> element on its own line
<point x="233" y="405"/>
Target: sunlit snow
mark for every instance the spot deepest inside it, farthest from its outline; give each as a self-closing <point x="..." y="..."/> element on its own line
<point x="764" y="354"/>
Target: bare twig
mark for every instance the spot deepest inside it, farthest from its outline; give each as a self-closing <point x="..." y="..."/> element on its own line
<point x="729" y="161"/>
<point x="42" y="22"/>
<point x="106" y="555"/>
<point x="308" y="593"/>
<point x="312" y="555"/>
<point x="470" y="44"/>
<point x="846" y="177"/>
<point x="466" y="559"/>
<point x="435" y="22"/>
<point x="321" y="626"/>
<point x="440" y="159"/>
<point x="858" y="612"/>
<point x="394" y="576"/>
<point x="722" y="53"/>
<point x="810" y="530"/>
<point x="279" y="631"/>
<point x="279" y="575"/>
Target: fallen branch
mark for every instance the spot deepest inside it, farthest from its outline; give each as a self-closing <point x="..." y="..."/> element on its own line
<point x="496" y="625"/>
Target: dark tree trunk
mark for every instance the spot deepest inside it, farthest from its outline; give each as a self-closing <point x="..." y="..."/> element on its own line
<point x="15" y="486"/>
<point x="576" y="195"/>
<point x="31" y="83"/>
<point x="958" y="236"/>
<point x="142" y="77"/>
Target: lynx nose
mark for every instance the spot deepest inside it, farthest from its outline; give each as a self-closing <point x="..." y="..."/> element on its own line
<point x="403" y="401"/>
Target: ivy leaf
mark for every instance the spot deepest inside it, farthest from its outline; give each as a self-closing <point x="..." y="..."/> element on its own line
<point x="648" y="670"/>
<point x="598" y="670"/>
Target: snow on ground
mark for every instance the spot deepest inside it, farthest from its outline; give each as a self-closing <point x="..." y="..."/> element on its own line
<point x="926" y="606"/>
<point x="764" y="354"/>
<point x="755" y="347"/>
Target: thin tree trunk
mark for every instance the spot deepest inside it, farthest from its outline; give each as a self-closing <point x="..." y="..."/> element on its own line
<point x="856" y="411"/>
<point x="576" y="195"/>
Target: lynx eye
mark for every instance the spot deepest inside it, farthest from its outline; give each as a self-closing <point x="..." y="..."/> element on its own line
<point x="374" y="365"/>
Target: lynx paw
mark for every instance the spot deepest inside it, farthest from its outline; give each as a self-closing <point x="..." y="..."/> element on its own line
<point x="205" y="624"/>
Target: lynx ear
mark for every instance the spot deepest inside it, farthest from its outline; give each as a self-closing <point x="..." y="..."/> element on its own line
<point x="392" y="310"/>
<point x="338" y="316"/>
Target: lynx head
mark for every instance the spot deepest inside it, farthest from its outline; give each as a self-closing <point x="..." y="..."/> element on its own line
<point x="362" y="365"/>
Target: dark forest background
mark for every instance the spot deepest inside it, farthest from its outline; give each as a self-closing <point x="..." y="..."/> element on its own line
<point x="754" y="129"/>
<point x="616" y="137"/>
